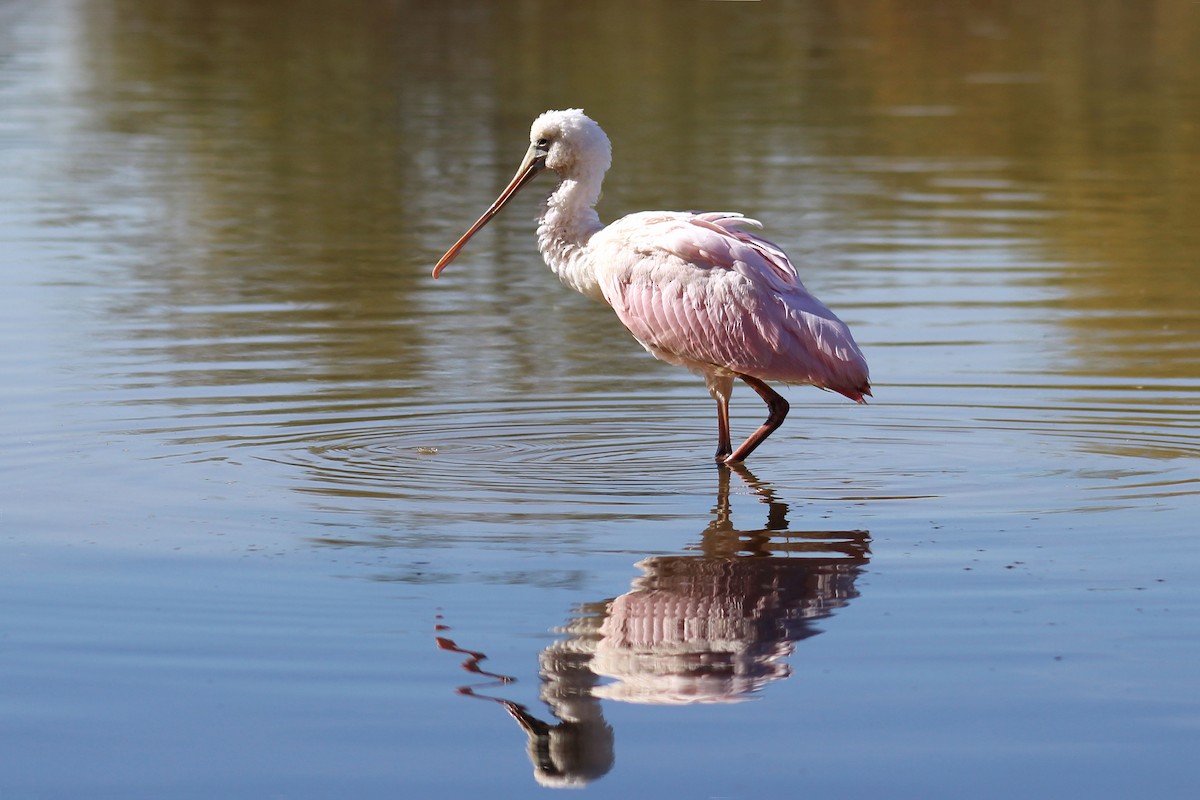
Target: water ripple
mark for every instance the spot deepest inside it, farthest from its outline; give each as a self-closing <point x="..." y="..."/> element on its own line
<point x="612" y="454"/>
<point x="480" y="451"/>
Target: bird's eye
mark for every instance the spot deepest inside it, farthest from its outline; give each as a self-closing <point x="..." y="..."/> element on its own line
<point x="543" y="143"/>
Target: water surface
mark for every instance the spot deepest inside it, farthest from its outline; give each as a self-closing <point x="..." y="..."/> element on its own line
<point x="284" y="517"/>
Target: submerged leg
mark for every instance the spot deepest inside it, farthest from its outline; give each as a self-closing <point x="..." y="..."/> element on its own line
<point x="777" y="409"/>
<point x="721" y="387"/>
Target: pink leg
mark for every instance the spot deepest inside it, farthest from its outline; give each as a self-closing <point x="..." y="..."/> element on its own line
<point x="721" y="387"/>
<point x="777" y="409"/>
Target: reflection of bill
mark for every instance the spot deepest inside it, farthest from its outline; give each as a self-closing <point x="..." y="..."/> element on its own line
<point x="713" y="627"/>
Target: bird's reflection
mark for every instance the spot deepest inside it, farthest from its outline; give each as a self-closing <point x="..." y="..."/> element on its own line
<point x="711" y="627"/>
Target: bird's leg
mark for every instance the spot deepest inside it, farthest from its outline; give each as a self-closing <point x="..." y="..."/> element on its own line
<point x="777" y="409"/>
<point x="721" y="387"/>
<point x="724" y="445"/>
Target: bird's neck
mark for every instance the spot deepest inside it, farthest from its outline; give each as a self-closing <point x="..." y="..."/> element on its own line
<point x="568" y="222"/>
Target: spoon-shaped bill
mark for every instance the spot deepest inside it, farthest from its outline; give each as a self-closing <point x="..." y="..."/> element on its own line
<point x="534" y="163"/>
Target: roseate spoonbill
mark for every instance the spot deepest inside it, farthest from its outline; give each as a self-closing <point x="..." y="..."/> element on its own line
<point x="694" y="289"/>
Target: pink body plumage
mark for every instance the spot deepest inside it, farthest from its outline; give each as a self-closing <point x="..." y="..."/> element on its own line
<point x="699" y="291"/>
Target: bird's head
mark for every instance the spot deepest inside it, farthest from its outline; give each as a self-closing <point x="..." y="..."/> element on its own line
<point x="568" y="142"/>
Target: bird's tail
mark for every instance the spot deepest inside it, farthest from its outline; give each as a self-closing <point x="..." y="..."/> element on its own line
<point x="858" y="394"/>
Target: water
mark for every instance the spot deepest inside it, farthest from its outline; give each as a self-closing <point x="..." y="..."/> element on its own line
<point x="281" y="516"/>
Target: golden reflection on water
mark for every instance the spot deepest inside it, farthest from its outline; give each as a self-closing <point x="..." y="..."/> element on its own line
<point x="316" y="160"/>
<point x="711" y="628"/>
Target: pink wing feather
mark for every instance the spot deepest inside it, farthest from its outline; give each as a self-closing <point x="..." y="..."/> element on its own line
<point x="699" y="291"/>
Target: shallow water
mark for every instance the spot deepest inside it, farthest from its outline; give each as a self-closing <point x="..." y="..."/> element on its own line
<point x="284" y="517"/>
